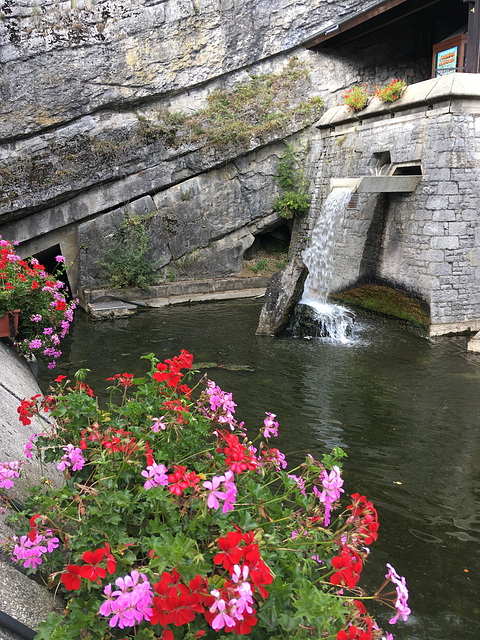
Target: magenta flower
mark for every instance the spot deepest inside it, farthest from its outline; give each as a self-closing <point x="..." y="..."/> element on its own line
<point x="31" y="551"/>
<point x="222" y="619"/>
<point x="332" y="488"/>
<point x="155" y="474"/>
<point x="271" y="426"/>
<point x="130" y="603"/>
<point x="299" y="481"/>
<point x="29" y="445"/>
<point x="230" y="492"/>
<point x="221" y="405"/>
<point x="214" y="495"/>
<point x="60" y="259"/>
<point x="73" y="457"/>
<point x="8" y="472"/>
<point x="158" y="424"/>
<point x="402" y="595"/>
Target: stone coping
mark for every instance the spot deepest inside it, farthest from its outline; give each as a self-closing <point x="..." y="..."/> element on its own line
<point x="452" y="328"/>
<point x="454" y="88"/>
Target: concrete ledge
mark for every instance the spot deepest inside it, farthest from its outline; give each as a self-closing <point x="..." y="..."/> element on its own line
<point x="474" y="344"/>
<point x="460" y="90"/>
<point x="466" y="326"/>
<point x="23" y="599"/>
<point x="388" y="184"/>
<point x="20" y="597"/>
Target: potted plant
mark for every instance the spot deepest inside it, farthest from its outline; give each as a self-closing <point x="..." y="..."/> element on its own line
<point x="392" y="91"/>
<point x="33" y="305"/>
<point x="356" y="98"/>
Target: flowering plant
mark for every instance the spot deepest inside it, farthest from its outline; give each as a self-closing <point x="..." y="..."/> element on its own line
<point x="45" y="314"/>
<point x="172" y="524"/>
<point x="392" y="91"/>
<point x="356" y="98"/>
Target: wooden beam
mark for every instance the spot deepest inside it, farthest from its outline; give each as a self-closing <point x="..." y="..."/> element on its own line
<point x="335" y="30"/>
<point x="473" y="43"/>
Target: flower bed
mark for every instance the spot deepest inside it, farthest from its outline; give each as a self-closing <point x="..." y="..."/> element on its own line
<point x="172" y="524"/>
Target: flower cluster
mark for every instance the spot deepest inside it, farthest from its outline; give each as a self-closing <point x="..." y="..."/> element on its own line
<point x="392" y="91"/>
<point x="130" y="603"/>
<point x="402" y="594"/>
<point x="90" y="569"/>
<point x="332" y="488"/>
<point x="72" y="458"/>
<point x="45" y="314"/>
<point x="228" y="495"/>
<point x="180" y="526"/>
<point x="32" y="549"/>
<point x="221" y="407"/>
<point x="356" y="98"/>
<point x="8" y="472"/>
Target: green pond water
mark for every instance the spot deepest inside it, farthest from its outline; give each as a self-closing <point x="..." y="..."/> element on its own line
<point x="404" y="408"/>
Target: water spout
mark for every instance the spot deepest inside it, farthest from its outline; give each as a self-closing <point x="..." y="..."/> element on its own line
<point x="330" y="320"/>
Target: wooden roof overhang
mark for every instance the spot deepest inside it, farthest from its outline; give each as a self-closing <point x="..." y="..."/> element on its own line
<point x="367" y="21"/>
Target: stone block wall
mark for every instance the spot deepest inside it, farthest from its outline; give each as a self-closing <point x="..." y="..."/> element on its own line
<point x="426" y="241"/>
<point x="199" y="228"/>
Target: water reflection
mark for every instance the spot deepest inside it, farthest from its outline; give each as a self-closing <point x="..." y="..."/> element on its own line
<point x="405" y="409"/>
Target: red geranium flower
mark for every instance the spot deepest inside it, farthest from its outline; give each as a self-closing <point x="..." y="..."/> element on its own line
<point x="71" y="578"/>
<point x="90" y="570"/>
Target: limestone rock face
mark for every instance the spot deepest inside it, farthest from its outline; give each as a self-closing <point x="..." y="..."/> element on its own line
<point x="90" y="96"/>
<point x="199" y="228"/>
<point x="63" y="59"/>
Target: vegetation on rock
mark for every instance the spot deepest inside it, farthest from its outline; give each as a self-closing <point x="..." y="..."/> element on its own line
<point x="389" y="301"/>
<point x="125" y="258"/>
<point x="295" y="200"/>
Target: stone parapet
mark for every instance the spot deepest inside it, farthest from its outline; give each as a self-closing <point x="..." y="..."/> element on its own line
<point x="458" y="92"/>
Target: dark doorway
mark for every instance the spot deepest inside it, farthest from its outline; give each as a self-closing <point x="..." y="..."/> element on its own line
<point x="48" y="259"/>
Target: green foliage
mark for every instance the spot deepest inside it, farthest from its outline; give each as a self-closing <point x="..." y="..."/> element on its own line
<point x="276" y="527"/>
<point x="251" y="109"/>
<point x="392" y="91"/>
<point x="392" y="302"/>
<point x="261" y="265"/>
<point x="295" y="200"/>
<point x="356" y="98"/>
<point x="125" y="259"/>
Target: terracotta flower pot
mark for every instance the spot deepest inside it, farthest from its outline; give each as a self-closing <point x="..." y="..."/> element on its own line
<point x="9" y="324"/>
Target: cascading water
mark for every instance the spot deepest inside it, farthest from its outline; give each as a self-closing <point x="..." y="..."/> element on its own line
<point x="329" y="320"/>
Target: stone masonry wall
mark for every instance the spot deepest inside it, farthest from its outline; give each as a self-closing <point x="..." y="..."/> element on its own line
<point x="427" y="241"/>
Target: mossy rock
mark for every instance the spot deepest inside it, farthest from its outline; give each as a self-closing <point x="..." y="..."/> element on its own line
<point x="388" y="301"/>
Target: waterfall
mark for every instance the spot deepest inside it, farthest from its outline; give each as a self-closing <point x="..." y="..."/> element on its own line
<point x="331" y="320"/>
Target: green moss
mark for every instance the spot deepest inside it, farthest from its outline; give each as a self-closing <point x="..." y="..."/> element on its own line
<point x="389" y="301"/>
